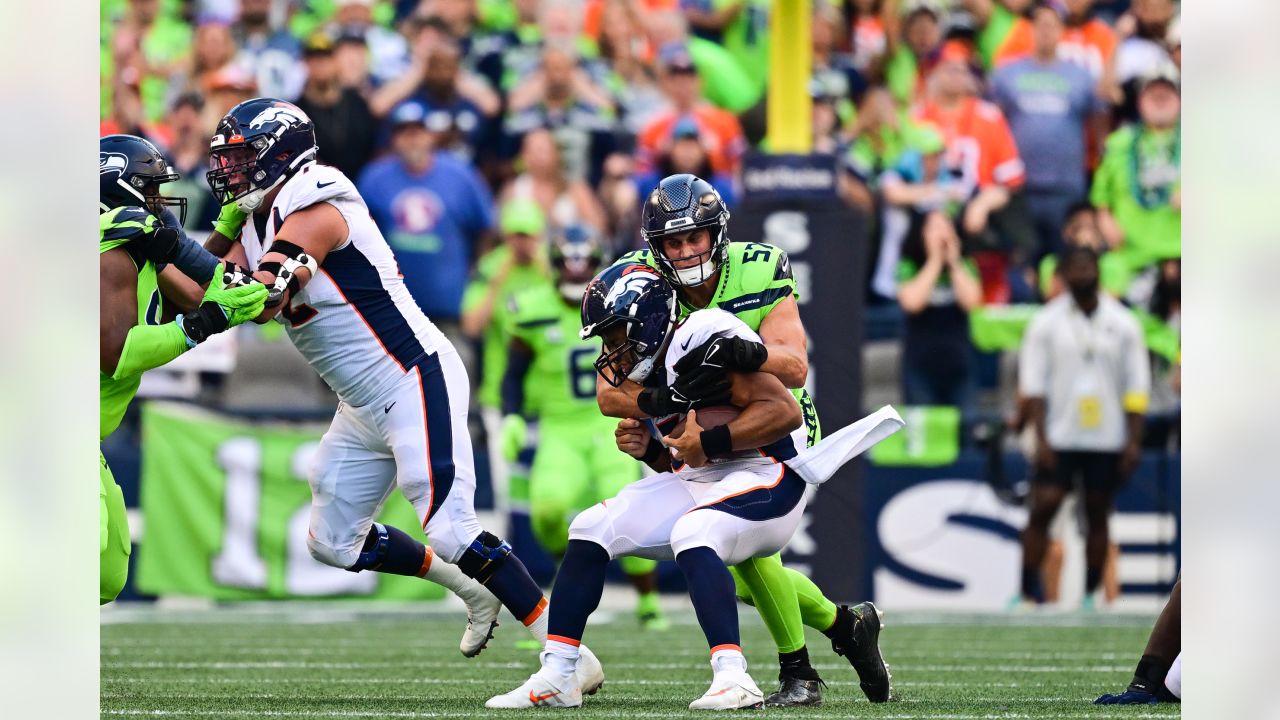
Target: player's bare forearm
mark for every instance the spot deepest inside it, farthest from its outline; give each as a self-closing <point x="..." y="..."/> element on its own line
<point x="181" y="293"/>
<point x="769" y="411"/>
<point x="117" y="305"/>
<point x="786" y="364"/>
<point x="619" y="402"/>
<point x="313" y="231"/>
<point x="219" y="244"/>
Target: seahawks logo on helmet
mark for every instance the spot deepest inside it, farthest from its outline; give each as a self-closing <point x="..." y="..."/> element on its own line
<point x="112" y="162"/>
<point x="288" y="117"/>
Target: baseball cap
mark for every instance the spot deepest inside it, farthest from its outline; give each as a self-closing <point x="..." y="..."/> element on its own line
<point x="1163" y="73"/>
<point x="676" y="58"/>
<point x="523" y="217"/>
<point x="409" y="112"/>
<point x="317" y="43"/>
<point x="686" y="127"/>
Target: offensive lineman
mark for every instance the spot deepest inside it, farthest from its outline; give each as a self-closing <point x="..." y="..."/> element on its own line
<point x="685" y="224"/>
<point x="708" y="506"/>
<point x="147" y="268"/>
<point x="403" y="391"/>
<point x="549" y="372"/>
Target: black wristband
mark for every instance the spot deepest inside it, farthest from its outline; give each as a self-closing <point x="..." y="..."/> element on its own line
<point x="653" y="452"/>
<point x="716" y="441"/>
<point x="208" y="319"/>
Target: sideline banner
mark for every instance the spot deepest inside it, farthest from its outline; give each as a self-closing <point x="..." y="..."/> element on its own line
<point x="225" y="507"/>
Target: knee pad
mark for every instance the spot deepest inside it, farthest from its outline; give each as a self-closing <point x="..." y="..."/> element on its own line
<point x="374" y="551"/>
<point x="484" y="557"/>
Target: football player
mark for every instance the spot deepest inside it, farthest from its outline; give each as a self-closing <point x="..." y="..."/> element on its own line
<point x="402" y="390"/>
<point x="550" y="377"/>
<point x="148" y="271"/>
<point x="685" y="225"/>
<point x="1158" y="677"/>
<point x="711" y="503"/>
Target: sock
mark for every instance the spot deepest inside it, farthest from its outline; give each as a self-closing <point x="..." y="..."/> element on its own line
<point x="405" y="556"/>
<point x="711" y="591"/>
<point x="1031" y="584"/>
<point x="796" y="665"/>
<point x="816" y="610"/>
<point x="647" y="604"/>
<point x="1092" y="578"/>
<point x="774" y="597"/>
<point x="537" y="625"/>
<point x="728" y="657"/>
<point x="561" y="658"/>
<point x="842" y="625"/>
<point x="444" y="574"/>
<point x="577" y="590"/>
<point x="517" y="591"/>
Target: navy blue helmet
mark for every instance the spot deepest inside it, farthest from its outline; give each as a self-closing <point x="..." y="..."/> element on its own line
<point x="130" y="173"/>
<point x="259" y="144"/>
<point x="679" y="204"/>
<point x="576" y="257"/>
<point x="633" y="310"/>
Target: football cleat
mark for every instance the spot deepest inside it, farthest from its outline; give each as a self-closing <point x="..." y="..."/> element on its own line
<point x="482" y="617"/>
<point x="861" y="647"/>
<point x="730" y="690"/>
<point x="794" y="691"/>
<point x="590" y="671"/>
<point x="538" y="691"/>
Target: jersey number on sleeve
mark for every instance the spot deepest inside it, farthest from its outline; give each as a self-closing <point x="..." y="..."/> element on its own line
<point x="755" y="251"/>
<point x="298" y="315"/>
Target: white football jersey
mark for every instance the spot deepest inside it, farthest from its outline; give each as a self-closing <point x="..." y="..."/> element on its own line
<point x="698" y="328"/>
<point x="355" y="321"/>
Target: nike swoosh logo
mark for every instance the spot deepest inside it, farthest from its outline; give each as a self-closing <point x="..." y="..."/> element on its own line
<point x="387" y="408"/>
<point x="685" y="345"/>
<point x="323" y="185"/>
<point x="535" y="699"/>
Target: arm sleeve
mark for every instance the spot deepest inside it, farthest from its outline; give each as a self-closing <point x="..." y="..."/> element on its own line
<point x="149" y="346"/>
<point x="513" y="380"/>
<point x="1033" y="360"/>
<point x="1137" y="370"/>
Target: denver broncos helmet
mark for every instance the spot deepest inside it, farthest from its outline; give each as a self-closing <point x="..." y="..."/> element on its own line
<point x="130" y="173"/>
<point x="679" y="204"/>
<point x="633" y="310"/>
<point x="259" y="144"/>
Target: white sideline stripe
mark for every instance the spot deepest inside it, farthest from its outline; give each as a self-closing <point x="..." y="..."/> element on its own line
<point x="614" y="696"/>
<point x="106" y="680"/>
<point x="285" y="665"/>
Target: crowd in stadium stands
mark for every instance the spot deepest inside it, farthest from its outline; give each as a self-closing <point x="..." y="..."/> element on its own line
<point x="980" y="137"/>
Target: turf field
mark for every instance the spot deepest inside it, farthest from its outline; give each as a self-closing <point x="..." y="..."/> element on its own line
<point x="325" y="660"/>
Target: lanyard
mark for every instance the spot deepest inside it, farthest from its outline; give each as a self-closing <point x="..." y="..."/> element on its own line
<point x="1087" y="341"/>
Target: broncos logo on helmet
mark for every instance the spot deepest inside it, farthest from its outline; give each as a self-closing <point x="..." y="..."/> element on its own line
<point x="258" y="145"/>
<point x="633" y="310"/>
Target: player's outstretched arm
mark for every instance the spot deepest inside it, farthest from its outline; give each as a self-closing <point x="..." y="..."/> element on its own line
<point x="307" y="235"/>
<point x="181" y="293"/>
<point x="619" y="402"/>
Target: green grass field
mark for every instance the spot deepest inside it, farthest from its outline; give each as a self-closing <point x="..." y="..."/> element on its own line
<point x="325" y="660"/>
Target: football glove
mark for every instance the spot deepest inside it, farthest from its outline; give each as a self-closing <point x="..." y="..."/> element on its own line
<point x="513" y="436"/>
<point x="229" y="221"/>
<point x="700" y="388"/>
<point x="731" y="353"/>
<point x="223" y="308"/>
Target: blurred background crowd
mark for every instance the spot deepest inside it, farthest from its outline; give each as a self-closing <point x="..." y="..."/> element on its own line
<point x="978" y="138"/>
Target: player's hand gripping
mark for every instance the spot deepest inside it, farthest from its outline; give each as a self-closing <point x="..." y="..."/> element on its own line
<point x="632" y="437"/>
<point x="223" y="307"/>
<point x="688" y="447"/>
<point x="728" y="353"/>
<point x="701" y="387"/>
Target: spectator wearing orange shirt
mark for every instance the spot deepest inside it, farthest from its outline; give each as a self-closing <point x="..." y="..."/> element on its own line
<point x="1086" y="41"/>
<point x="719" y="129"/>
<point x="980" y="155"/>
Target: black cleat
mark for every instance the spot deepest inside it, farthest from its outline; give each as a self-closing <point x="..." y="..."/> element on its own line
<point x="857" y="638"/>
<point x="794" y="691"/>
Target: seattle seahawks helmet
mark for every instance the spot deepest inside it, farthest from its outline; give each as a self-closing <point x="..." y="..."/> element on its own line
<point x="259" y="144"/>
<point x="576" y="257"/>
<point x="130" y="173"/>
<point x="679" y="204"/>
<point x="633" y="311"/>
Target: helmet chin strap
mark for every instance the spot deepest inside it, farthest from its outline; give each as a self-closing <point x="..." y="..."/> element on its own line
<point x="251" y="201"/>
<point x="690" y="277"/>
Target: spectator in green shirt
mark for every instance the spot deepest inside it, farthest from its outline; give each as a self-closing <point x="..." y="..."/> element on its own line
<point x="1138" y="186"/>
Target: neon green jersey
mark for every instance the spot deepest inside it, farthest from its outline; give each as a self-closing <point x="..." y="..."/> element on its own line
<point x="115" y="228"/>
<point x="754" y="278"/>
<point x="494" y="346"/>
<point x="561" y="384"/>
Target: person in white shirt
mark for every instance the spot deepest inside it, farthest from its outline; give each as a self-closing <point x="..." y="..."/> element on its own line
<point x="1084" y="377"/>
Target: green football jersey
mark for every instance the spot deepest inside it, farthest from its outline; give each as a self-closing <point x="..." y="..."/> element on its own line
<point x="754" y="278"/>
<point x="494" y="346"/>
<point x="115" y="228"/>
<point x="561" y="384"/>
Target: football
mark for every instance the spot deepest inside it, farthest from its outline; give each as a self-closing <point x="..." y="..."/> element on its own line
<point x="709" y="417"/>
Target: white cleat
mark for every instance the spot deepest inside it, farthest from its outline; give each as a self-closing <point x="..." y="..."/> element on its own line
<point x="482" y="617"/>
<point x="730" y="690"/>
<point x="590" y="671"/>
<point x="538" y="691"/>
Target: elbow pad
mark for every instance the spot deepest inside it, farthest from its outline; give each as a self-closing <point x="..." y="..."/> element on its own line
<point x="149" y="346"/>
<point x="286" y="272"/>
